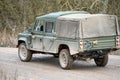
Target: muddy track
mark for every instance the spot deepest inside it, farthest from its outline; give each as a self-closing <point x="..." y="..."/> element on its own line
<point x="46" y="67"/>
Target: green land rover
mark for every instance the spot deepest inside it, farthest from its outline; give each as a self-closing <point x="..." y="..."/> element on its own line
<point x="71" y="35"/>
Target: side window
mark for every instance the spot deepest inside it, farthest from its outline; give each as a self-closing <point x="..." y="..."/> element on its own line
<point x="67" y="28"/>
<point x="49" y="27"/>
<point x="39" y="26"/>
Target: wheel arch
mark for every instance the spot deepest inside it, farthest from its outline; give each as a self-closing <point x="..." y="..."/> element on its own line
<point x="72" y="50"/>
<point x="63" y="46"/>
<point x="22" y="40"/>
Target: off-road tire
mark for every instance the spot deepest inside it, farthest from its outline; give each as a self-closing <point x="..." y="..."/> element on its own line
<point x="65" y="59"/>
<point x="102" y="61"/>
<point x="24" y="54"/>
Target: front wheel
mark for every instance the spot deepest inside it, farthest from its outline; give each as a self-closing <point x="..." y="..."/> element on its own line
<point x="102" y="61"/>
<point x="24" y="54"/>
<point x="65" y="59"/>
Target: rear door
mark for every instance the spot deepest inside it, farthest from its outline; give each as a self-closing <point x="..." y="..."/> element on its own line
<point x="99" y="32"/>
<point x="49" y="38"/>
<point x="105" y="42"/>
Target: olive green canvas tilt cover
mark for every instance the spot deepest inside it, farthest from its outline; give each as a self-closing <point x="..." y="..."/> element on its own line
<point x="86" y="25"/>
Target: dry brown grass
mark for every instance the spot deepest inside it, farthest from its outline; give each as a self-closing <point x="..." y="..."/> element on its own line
<point x="14" y="18"/>
<point x="8" y="40"/>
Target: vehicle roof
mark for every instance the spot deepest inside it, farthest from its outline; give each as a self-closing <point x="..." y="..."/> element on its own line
<point x="80" y="16"/>
<point x="55" y="15"/>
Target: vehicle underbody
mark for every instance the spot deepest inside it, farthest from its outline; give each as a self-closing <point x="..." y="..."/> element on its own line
<point x="87" y="55"/>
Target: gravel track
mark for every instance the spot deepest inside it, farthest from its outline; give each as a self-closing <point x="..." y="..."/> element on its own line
<point x="46" y="67"/>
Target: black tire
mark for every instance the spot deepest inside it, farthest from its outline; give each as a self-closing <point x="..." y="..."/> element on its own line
<point x="65" y="59"/>
<point x="24" y="54"/>
<point x="101" y="62"/>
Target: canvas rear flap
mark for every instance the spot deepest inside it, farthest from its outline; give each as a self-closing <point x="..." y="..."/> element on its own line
<point x="101" y="25"/>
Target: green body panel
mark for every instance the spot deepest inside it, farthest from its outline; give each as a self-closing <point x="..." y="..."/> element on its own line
<point x="106" y="42"/>
<point x="51" y="43"/>
<point x="25" y="37"/>
<point x="72" y="44"/>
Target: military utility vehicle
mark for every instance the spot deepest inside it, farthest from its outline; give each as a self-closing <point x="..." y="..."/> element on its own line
<point x="71" y="35"/>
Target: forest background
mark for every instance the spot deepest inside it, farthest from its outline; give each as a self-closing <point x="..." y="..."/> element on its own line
<point x="17" y="15"/>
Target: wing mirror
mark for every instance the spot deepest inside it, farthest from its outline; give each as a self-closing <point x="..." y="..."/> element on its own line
<point x="29" y="30"/>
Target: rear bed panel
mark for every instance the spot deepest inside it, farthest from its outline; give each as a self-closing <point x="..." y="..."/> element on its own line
<point x="99" y="43"/>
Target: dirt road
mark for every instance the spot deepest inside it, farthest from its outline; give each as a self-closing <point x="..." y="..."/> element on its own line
<point x="46" y="67"/>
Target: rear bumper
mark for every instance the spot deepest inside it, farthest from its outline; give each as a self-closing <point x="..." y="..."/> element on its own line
<point x="93" y="50"/>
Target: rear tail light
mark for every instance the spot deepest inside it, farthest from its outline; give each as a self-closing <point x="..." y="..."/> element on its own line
<point x="117" y="41"/>
<point x="81" y="44"/>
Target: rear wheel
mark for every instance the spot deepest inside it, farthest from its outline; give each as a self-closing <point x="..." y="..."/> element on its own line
<point x="24" y="54"/>
<point x="65" y="59"/>
<point x="102" y="61"/>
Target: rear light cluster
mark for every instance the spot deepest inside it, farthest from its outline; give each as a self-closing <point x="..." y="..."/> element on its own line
<point x="117" y="41"/>
<point x="81" y="44"/>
